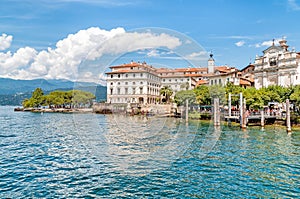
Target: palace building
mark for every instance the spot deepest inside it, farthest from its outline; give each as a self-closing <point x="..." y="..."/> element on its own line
<point x="277" y="66"/>
<point x="133" y="83"/>
<point x="138" y="82"/>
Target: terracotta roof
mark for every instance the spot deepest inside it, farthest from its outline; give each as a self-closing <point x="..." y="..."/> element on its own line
<point x="131" y="64"/>
<point x="166" y="70"/>
<point x="201" y="82"/>
<point x="248" y="79"/>
<point x="125" y="71"/>
<point x="245" y="82"/>
<point x="173" y="72"/>
<point x="225" y="69"/>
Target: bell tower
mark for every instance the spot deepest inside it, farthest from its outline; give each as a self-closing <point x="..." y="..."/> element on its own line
<point x="211" y="64"/>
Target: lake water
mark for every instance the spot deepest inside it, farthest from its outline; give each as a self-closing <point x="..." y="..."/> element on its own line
<point x="54" y="155"/>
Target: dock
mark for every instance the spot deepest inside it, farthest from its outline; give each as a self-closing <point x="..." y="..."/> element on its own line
<point x="268" y="119"/>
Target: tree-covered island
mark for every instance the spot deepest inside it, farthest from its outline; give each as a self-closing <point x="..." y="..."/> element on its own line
<point x="72" y="99"/>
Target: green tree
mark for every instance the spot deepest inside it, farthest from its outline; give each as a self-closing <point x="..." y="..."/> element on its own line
<point x="295" y="95"/>
<point x="27" y="103"/>
<point x="271" y="94"/>
<point x="253" y="98"/>
<point x="37" y="98"/>
<point x="73" y="98"/>
<point x="217" y="91"/>
<point x="202" y="95"/>
<point x="55" y="98"/>
<point x="279" y="93"/>
<point x="235" y="90"/>
<point x="166" y="92"/>
<point x="81" y="98"/>
<point x="182" y="96"/>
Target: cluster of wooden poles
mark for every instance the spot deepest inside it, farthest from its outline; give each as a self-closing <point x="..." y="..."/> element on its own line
<point x="243" y="113"/>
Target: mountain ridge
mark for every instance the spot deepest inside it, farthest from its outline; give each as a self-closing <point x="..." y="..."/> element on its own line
<point x="13" y="92"/>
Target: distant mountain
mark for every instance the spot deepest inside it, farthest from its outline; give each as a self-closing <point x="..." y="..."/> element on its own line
<point x="13" y="92"/>
<point x="12" y="86"/>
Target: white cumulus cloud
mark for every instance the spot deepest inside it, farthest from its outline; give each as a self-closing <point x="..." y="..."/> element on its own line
<point x="197" y="55"/>
<point x="267" y="43"/>
<point x="129" y="42"/>
<point x="10" y="62"/>
<point x="5" y="41"/>
<point x="62" y="62"/>
<point x="240" y="43"/>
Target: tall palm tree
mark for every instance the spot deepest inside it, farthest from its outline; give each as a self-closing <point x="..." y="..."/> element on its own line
<point x="166" y="92"/>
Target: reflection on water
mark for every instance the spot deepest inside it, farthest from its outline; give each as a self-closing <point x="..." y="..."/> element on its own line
<point x="112" y="156"/>
<point x="137" y="145"/>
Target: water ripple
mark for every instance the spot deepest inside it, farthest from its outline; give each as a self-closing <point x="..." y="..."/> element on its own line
<point x="89" y="156"/>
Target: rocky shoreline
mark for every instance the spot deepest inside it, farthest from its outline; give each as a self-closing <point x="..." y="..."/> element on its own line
<point x="55" y="110"/>
<point x="104" y="108"/>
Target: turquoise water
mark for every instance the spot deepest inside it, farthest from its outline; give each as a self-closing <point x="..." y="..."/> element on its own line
<point x="97" y="156"/>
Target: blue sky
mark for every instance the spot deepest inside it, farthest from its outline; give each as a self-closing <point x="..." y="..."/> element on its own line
<point x="36" y="35"/>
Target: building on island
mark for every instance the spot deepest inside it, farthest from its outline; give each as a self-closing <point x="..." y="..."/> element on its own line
<point x="181" y="78"/>
<point x="277" y="66"/>
<point x="220" y="75"/>
<point x="133" y="83"/>
<point x="247" y="76"/>
<point x="138" y="82"/>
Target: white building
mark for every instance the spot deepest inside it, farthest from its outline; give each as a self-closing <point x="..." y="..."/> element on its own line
<point x="133" y="83"/>
<point x="181" y="78"/>
<point x="141" y="83"/>
<point x="277" y="66"/>
<point x="221" y="75"/>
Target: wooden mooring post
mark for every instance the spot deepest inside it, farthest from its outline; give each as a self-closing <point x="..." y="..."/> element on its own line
<point x="241" y="109"/>
<point x="217" y="112"/>
<point x="288" y="117"/>
<point x="244" y="116"/>
<point x="186" y="110"/>
<point x="262" y="119"/>
<point x="229" y="105"/>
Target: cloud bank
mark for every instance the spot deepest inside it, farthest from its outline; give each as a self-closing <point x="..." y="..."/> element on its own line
<point x="62" y="61"/>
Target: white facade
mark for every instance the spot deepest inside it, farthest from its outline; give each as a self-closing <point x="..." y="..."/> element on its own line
<point x="223" y="78"/>
<point x="277" y="66"/>
<point x="132" y="83"/>
<point x="141" y="83"/>
<point x="177" y="83"/>
<point x="181" y="78"/>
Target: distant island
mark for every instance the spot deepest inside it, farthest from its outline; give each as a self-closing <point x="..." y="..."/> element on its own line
<point x="58" y="101"/>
